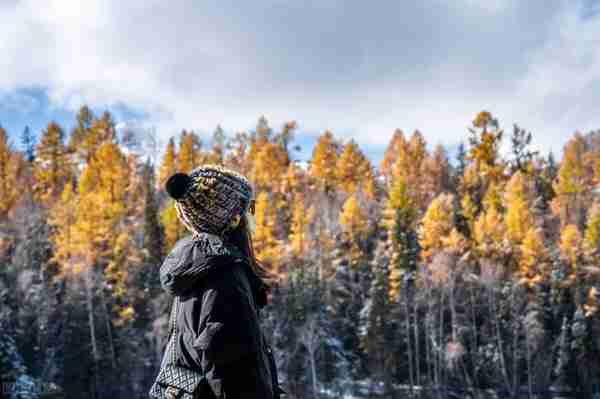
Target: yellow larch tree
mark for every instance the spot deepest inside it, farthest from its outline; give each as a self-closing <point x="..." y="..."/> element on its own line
<point x="519" y="217"/>
<point x="485" y="140"/>
<point x="570" y="249"/>
<point x="354" y="223"/>
<point x="9" y="173"/>
<point x="409" y="166"/>
<point x="52" y="166"/>
<point x="294" y="179"/>
<point x="190" y="154"/>
<point x="270" y="163"/>
<point x="438" y="230"/>
<point x="351" y="167"/>
<point x="169" y="163"/>
<point x="591" y="240"/>
<point x="353" y="218"/>
<point x="100" y="131"/>
<point x="533" y="258"/>
<point x="489" y="229"/>
<point x="354" y="171"/>
<point x="63" y="216"/>
<point x="399" y="218"/>
<point x="400" y="207"/>
<point x="301" y="219"/>
<point x="103" y="201"/>
<point x="435" y="173"/>
<point x="173" y="228"/>
<point x="485" y="165"/>
<point x="369" y="181"/>
<point x="85" y="118"/>
<point x="571" y="183"/>
<point x="418" y="152"/>
<point x="324" y="161"/>
<point x="397" y="144"/>
<point x="267" y="246"/>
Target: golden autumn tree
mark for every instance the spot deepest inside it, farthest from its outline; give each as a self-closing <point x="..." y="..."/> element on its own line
<point x="267" y="246"/>
<point x="324" y="161"/>
<point x="533" y="259"/>
<point x="399" y="218"/>
<point x="489" y="229"/>
<point x="571" y="184"/>
<point x="63" y="216"/>
<point x="189" y="155"/>
<point x="570" y="249"/>
<point x="9" y="173"/>
<point x="353" y="218"/>
<point x="169" y="163"/>
<point x="519" y="217"/>
<point x="85" y="118"/>
<point x="485" y="165"/>
<point x="438" y="230"/>
<point x="400" y="207"/>
<point x="294" y="179"/>
<point x="397" y="144"/>
<point x="354" y="223"/>
<point x="369" y="181"/>
<point x="91" y="138"/>
<point x="591" y="240"/>
<point x="348" y="167"/>
<point x="409" y="166"/>
<point x="301" y="219"/>
<point x="418" y="151"/>
<point x="173" y="228"/>
<point x="436" y="173"/>
<point x="270" y="163"/>
<point x="52" y="165"/>
<point x="103" y="201"/>
<point x="354" y="171"/>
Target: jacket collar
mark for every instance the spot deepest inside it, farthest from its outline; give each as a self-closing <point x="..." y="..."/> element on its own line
<point x="196" y="256"/>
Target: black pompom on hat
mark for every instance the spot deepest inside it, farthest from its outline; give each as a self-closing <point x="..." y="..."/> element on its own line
<point x="177" y="185"/>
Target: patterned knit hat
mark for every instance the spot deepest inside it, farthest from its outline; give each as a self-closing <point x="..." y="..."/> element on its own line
<point x="210" y="199"/>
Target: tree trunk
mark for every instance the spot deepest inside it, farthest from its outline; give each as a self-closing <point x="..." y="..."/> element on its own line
<point x="313" y="370"/>
<point x="111" y="345"/>
<point x="95" y="355"/>
<point x="494" y="316"/>
<point x="416" y="333"/>
<point x="409" y="346"/>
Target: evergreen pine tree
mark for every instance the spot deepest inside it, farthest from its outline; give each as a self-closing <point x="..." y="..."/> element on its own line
<point x="28" y="143"/>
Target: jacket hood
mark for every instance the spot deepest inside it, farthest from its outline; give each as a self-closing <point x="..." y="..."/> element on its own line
<point x="196" y="257"/>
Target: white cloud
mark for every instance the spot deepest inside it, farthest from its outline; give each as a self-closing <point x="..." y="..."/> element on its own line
<point x="354" y="67"/>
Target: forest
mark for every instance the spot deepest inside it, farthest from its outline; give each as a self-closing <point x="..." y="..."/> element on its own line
<point x="429" y="275"/>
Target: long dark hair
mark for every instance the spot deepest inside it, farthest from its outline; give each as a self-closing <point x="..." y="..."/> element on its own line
<point x="242" y="239"/>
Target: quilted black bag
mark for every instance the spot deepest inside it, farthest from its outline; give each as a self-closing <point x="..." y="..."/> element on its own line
<point x="174" y="381"/>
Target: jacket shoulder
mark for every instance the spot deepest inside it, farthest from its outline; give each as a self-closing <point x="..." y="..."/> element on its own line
<point x="195" y="258"/>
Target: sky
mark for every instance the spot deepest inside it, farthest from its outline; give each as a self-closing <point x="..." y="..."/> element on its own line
<point x="361" y="69"/>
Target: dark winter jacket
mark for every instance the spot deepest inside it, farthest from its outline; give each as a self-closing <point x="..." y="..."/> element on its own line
<point x="219" y="332"/>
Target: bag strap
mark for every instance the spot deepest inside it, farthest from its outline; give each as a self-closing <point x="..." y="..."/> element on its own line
<point x="173" y="324"/>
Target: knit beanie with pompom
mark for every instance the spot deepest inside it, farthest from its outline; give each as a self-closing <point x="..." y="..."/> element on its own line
<point x="211" y="198"/>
